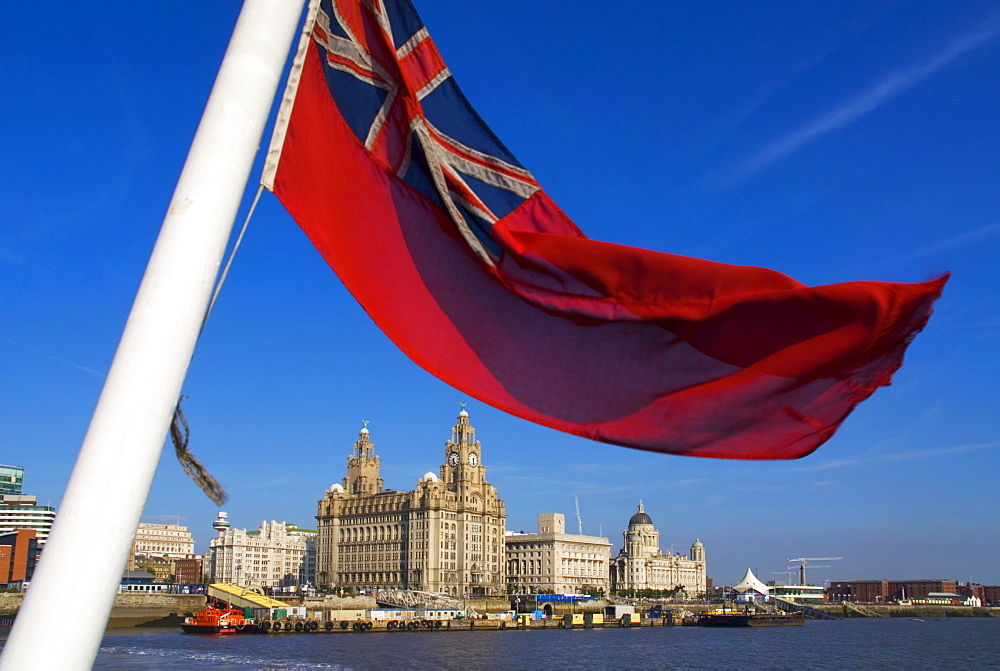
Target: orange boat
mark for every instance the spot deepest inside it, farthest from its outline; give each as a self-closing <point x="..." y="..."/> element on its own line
<point x="218" y="621"/>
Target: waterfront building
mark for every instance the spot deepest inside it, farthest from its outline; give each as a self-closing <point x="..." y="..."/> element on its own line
<point x="18" y="555"/>
<point x="807" y="594"/>
<point x="168" y="541"/>
<point x="989" y="594"/>
<point x="553" y="561"/>
<point x="886" y="591"/>
<point x="157" y="548"/>
<point x="446" y="535"/>
<point x="918" y="589"/>
<point x="11" y="479"/>
<point x="20" y="511"/>
<point x="188" y="571"/>
<point x="838" y="590"/>
<point x="949" y="599"/>
<point x="277" y="555"/>
<point x="641" y="566"/>
<point x="161" y="567"/>
<point x="862" y="591"/>
<point x="750" y="588"/>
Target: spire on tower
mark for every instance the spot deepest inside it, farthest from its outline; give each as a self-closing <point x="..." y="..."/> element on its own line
<point x="462" y="432"/>
<point x="363" y="466"/>
<point x="364" y="447"/>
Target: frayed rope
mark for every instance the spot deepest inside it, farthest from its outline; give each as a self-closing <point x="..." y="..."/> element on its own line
<point x="192" y="466"/>
<point x="179" y="434"/>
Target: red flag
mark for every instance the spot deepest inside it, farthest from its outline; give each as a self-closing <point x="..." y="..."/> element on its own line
<point x="458" y="255"/>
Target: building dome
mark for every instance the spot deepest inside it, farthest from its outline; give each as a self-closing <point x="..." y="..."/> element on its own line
<point x="337" y="487"/>
<point x="640" y="517"/>
<point x="429" y="477"/>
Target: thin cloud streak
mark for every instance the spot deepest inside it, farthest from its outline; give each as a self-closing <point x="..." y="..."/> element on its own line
<point x="89" y="371"/>
<point x="57" y="359"/>
<point x="886" y="89"/>
<point x="953" y="242"/>
<point x="896" y="456"/>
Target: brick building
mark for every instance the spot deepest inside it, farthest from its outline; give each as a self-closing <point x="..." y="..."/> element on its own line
<point x="188" y="571"/>
<point x="918" y="589"/>
<point x="988" y="594"/>
<point x="18" y="555"/>
<point x="886" y="591"/>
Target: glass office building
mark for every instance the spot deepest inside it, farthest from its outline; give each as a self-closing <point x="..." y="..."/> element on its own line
<point x="11" y="479"/>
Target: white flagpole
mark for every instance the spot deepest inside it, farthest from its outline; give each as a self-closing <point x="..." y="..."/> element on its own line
<point x="81" y="566"/>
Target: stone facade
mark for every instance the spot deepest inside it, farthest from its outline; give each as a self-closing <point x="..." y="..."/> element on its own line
<point x="446" y="535"/>
<point x="277" y="555"/>
<point x="640" y="564"/>
<point x="169" y="541"/>
<point x="555" y="561"/>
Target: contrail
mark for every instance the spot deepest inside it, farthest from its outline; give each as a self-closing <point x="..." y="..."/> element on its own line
<point x="889" y="87"/>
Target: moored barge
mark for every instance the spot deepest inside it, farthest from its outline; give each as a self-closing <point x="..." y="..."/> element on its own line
<point x="737" y="619"/>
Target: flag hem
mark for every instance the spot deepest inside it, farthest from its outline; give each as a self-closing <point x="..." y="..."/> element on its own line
<point x="288" y="100"/>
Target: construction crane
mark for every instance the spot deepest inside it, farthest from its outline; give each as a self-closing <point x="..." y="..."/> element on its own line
<point x="805" y="560"/>
<point x="799" y="569"/>
<point x="788" y="574"/>
<point x="579" y="520"/>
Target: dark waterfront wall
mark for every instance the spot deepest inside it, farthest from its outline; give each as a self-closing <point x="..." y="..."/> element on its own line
<point x="915" y="610"/>
<point x="154" y="610"/>
<point x="131" y="610"/>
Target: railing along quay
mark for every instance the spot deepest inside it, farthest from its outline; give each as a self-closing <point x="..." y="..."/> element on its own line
<point x="291" y="626"/>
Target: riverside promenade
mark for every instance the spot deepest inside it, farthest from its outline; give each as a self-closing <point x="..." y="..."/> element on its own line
<point x="168" y="610"/>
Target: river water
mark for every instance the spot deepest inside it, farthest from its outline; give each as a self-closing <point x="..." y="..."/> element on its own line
<point x="901" y="643"/>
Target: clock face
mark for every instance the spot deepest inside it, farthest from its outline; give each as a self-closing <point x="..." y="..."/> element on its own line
<point x="453" y="459"/>
<point x="473" y="459"/>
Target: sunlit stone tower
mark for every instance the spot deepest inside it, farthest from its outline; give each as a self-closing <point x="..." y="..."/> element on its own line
<point x="446" y="535"/>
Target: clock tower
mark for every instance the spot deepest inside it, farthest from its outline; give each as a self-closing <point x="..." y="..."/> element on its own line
<point x="445" y="535"/>
<point x="363" y="467"/>
<point x="463" y="456"/>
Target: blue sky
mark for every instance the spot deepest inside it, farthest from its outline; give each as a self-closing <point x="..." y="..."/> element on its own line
<point x="833" y="142"/>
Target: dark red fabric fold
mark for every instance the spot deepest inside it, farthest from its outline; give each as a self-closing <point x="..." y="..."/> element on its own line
<point x="627" y="346"/>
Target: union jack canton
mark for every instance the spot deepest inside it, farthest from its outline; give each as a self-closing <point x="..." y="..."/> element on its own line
<point x="484" y="282"/>
<point x="398" y="97"/>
